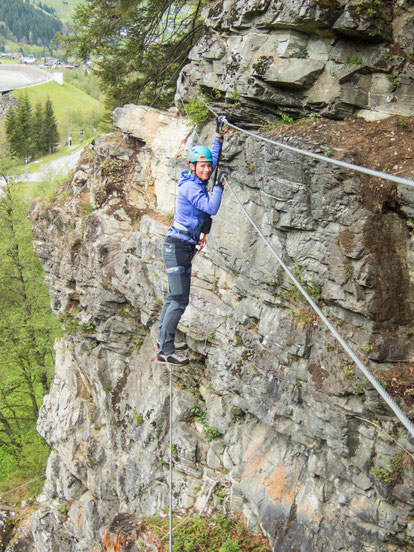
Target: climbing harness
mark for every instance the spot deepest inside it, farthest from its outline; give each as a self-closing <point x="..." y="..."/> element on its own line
<point x="181" y="229"/>
<point x="377" y="386"/>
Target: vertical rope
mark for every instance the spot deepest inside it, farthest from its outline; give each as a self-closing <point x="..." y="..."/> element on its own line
<point x="171" y="496"/>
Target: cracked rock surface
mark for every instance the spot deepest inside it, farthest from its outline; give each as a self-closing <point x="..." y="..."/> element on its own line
<point x="269" y="406"/>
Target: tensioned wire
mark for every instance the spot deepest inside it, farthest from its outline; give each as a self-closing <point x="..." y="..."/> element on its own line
<point x="374" y="382"/>
<point x="170" y="502"/>
<point x="350" y="166"/>
<point x="387" y="398"/>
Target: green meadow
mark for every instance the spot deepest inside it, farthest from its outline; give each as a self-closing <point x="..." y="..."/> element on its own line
<point x="64" y="9"/>
<point x="74" y="109"/>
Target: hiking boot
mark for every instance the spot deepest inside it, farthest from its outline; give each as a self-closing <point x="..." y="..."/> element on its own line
<point x="174" y="358"/>
<point x="178" y="345"/>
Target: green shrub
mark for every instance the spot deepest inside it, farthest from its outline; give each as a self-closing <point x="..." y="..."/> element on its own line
<point x="354" y="60"/>
<point x="381" y="473"/>
<point x="207" y="534"/>
<point x="209" y="433"/>
<point x="8" y="462"/>
<point x="229" y="546"/>
<point x="198" y="113"/>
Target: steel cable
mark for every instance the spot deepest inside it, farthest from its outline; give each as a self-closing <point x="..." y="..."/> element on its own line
<point x="374" y="382"/>
<point x="343" y="164"/>
<point x="170" y="506"/>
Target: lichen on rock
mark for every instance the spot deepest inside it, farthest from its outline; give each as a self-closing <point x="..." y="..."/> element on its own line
<point x="270" y="407"/>
<point x="271" y="420"/>
<point x="336" y="41"/>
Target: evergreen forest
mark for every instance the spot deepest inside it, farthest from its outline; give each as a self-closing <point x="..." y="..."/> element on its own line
<point x="31" y="132"/>
<point x="27" y="23"/>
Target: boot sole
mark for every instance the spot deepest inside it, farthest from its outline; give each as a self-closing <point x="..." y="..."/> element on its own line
<point x="172" y="363"/>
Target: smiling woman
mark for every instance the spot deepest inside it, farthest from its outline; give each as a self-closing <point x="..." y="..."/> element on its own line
<point x="21" y="76"/>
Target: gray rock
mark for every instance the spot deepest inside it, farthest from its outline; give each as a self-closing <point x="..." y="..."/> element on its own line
<point x="303" y="56"/>
<point x="294" y="73"/>
<point x="6" y="525"/>
<point x="22" y="541"/>
<point x="280" y="409"/>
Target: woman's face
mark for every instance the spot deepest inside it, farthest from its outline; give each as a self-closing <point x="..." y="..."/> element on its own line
<point x="202" y="169"/>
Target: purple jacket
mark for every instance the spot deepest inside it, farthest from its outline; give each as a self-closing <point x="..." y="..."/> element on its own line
<point x="193" y="202"/>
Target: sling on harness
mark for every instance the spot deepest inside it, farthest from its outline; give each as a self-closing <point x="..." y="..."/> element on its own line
<point x="181" y="229"/>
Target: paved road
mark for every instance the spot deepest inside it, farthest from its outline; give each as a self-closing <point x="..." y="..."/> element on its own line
<point x="57" y="168"/>
<point x="54" y="169"/>
<point x="21" y="76"/>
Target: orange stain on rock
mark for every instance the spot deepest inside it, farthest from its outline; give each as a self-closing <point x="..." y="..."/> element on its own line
<point x="268" y="470"/>
<point x="279" y="479"/>
<point x="278" y="487"/>
<point x="309" y="509"/>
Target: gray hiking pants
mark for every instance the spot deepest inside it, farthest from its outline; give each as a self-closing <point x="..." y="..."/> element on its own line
<point x="177" y="255"/>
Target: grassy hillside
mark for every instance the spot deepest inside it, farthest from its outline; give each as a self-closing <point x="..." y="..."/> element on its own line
<point x="64" y="8"/>
<point x="73" y="108"/>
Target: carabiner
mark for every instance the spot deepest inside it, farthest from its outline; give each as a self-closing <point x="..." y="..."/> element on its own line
<point x="201" y="244"/>
<point x="222" y="121"/>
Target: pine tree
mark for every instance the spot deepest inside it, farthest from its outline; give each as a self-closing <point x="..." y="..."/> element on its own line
<point x="31" y="133"/>
<point x="39" y="130"/>
<point x="23" y="144"/>
<point x="142" y="44"/>
<point x="13" y="132"/>
<point x="50" y="126"/>
<point x="10" y="125"/>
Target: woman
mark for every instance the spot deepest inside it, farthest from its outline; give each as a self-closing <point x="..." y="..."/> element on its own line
<point x="193" y="210"/>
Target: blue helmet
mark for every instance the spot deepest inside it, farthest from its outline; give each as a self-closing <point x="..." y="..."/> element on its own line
<point x="199" y="153"/>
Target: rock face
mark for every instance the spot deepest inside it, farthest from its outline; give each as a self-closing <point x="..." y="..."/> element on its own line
<point x="335" y="58"/>
<point x="6" y="525"/>
<point x="6" y="101"/>
<point x="270" y="406"/>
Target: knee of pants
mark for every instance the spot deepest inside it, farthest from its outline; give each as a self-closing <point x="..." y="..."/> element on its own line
<point x="182" y="300"/>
